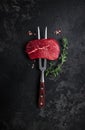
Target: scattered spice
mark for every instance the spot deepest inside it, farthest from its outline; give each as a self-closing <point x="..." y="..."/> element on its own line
<point x="34" y="34"/>
<point x="33" y="65"/>
<point x="57" y="32"/>
<point x="34" y="60"/>
<point x="29" y="33"/>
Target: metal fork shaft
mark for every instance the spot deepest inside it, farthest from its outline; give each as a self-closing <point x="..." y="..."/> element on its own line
<point x="42" y="77"/>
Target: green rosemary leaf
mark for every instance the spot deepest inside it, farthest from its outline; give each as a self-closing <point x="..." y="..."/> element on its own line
<point x="52" y="70"/>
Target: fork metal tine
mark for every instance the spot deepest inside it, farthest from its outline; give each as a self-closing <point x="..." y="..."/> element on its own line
<point x="46" y="32"/>
<point x="44" y="65"/>
<point x="45" y="62"/>
<point x="39" y="38"/>
<point x="40" y="64"/>
<point x="38" y="32"/>
<point x="42" y="68"/>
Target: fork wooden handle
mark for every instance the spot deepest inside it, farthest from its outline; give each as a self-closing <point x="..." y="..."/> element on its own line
<point x="41" y="100"/>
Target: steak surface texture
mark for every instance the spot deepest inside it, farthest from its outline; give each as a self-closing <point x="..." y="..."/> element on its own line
<point x="43" y="48"/>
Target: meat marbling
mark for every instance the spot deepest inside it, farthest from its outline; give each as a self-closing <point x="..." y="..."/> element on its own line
<point x="43" y="48"/>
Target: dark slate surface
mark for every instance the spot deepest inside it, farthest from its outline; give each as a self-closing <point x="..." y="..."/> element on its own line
<point x="65" y="95"/>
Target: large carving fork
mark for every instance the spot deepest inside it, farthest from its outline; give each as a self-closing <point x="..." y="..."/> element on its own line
<point x="42" y="67"/>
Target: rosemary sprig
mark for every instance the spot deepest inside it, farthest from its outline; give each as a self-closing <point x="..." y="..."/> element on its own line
<point x="55" y="70"/>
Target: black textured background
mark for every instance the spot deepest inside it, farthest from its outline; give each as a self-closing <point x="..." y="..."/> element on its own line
<point x="65" y="95"/>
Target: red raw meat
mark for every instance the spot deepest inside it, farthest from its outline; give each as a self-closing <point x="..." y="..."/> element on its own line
<point x="43" y="48"/>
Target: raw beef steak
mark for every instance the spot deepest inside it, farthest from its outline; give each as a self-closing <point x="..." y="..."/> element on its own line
<point x="43" y="48"/>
